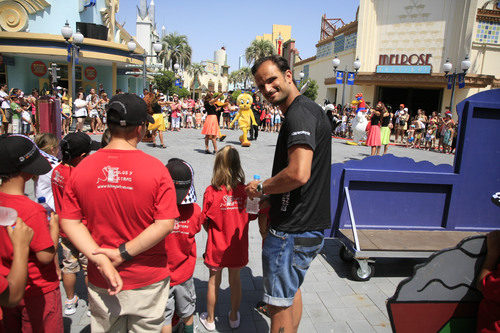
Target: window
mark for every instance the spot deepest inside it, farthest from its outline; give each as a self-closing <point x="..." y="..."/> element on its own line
<point x="350" y="41"/>
<point x="306" y="71"/>
<point x="324" y="50"/>
<point x="339" y="43"/>
<point x="487" y="32"/>
<point x="63" y="73"/>
<point x="3" y="73"/>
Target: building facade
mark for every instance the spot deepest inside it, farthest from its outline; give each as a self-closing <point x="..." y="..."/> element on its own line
<point x="215" y="78"/>
<point x="280" y="34"/>
<point x="402" y="46"/>
<point x="31" y="40"/>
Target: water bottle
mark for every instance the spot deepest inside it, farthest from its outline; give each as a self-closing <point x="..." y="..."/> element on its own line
<point x="8" y="216"/>
<point x="253" y="204"/>
<point x="42" y="201"/>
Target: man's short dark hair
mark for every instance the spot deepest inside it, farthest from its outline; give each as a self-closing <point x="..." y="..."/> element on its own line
<point x="279" y="61"/>
<point x="116" y="129"/>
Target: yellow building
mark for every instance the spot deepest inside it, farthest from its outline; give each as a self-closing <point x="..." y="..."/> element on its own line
<point x="283" y="31"/>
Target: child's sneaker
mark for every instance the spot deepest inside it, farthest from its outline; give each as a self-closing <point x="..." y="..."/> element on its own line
<point x="203" y="320"/>
<point x="70" y="306"/>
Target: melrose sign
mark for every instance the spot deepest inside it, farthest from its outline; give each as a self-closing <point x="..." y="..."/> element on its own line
<point x="403" y="63"/>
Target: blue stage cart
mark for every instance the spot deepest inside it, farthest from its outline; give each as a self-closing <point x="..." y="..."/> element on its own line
<point x="387" y="206"/>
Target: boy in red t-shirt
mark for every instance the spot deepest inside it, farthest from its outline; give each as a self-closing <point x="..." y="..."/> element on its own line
<point x="13" y="285"/>
<point x="40" y="308"/>
<point x="181" y="247"/>
<point x="129" y="202"/>
<point x="74" y="148"/>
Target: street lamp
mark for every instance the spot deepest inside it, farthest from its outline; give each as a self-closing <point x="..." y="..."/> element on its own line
<point x="73" y="51"/>
<point x="157" y="47"/>
<point x="447" y="67"/>
<point x="336" y="63"/>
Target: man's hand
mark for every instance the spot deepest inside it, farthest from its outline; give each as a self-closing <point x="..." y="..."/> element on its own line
<point x="109" y="272"/>
<point x="21" y="235"/>
<point x="251" y="189"/>
<point x="113" y="255"/>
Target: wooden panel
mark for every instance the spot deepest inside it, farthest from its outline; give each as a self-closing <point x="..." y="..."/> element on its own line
<point x="407" y="240"/>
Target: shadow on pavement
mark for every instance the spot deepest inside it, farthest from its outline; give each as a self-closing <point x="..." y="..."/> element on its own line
<point x="384" y="267"/>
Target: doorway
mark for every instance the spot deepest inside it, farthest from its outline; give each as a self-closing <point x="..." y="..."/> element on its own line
<point x="413" y="98"/>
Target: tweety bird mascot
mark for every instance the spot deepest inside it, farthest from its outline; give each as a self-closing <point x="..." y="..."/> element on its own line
<point x="244" y="117"/>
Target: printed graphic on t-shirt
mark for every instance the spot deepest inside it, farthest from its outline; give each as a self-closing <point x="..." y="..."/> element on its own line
<point x="181" y="227"/>
<point x="285" y="200"/>
<point x="115" y="178"/>
<point x="229" y="202"/>
<point x="57" y="178"/>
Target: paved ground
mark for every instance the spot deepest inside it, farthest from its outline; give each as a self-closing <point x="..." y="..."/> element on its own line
<point x="332" y="301"/>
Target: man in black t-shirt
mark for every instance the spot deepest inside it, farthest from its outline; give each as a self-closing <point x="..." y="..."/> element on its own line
<point x="299" y="192"/>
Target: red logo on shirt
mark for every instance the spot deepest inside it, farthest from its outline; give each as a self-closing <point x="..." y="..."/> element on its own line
<point x="230" y="202"/>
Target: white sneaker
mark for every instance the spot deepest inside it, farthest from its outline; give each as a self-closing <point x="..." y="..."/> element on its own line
<point x="236" y="323"/>
<point x="88" y="313"/>
<point x="203" y="320"/>
<point x="70" y="306"/>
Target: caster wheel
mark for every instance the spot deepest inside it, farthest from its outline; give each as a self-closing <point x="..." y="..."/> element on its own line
<point x="358" y="274"/>
<point x="345" y="255"/>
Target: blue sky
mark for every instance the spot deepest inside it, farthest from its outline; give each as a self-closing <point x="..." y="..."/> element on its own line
<point x="235" y="23"/>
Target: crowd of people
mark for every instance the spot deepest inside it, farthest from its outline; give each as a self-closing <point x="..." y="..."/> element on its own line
<point x="419" y="130"/>
<point x="131" y="228"/>
<point x="128" y="220"/>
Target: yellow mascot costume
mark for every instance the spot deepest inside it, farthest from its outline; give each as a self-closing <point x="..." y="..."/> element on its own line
<point x="244" y="117"/>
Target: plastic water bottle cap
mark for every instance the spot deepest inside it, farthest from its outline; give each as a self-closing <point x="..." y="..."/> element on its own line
<point x="42" y="200"/>
<point x="256" y="177"/>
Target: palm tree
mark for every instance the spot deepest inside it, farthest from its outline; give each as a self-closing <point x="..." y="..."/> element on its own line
<point x="259" y="49"/>
<point x="175" y="50"/>
<point x="245" y="74"/>
<point x="234" y="77"/>
<point x="196" y="70"/>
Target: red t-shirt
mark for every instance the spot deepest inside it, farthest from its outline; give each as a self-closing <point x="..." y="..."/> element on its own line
<point x="181" y="245"/>
<point x="4" y="284"/>
<point x="227" y="243"/>
<point x="121" y="193"/>
<point x="41" y="278"/>
<point x="60" y="176"/>
<point x="488" y="319"/>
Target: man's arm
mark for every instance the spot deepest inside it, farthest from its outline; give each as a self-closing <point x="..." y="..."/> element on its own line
<point x="20" y="237"/>
<point x="148" y="238"/>
<point x="296" y="174"/>
<point x="79" y="235"/>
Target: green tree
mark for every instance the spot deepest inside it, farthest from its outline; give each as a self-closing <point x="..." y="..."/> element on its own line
<point x="311" y="90"/>
<point x="176" y="50"/>
<point x="259" y="49"/>
<point x="234" y="78"/>
<point x="235" y="94"/>
<point x="196" y="70"/>
<point x="246" y="75"/>
<point x="165" y="81"/>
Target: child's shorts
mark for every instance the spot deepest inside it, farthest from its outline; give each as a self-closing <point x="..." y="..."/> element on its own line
<point x="73" y="260"/>
<point x="181" y="300"/>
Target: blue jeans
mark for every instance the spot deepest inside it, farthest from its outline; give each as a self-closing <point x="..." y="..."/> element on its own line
<point x="286" y="257"/>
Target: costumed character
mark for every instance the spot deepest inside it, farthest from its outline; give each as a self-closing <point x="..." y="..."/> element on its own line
<point x="244" y="117"/>
<point x="330" y="108"/>
<point x="359" y="122"/>
<point x="150" y="100"/>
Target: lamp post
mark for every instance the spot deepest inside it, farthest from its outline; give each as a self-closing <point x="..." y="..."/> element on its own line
<point x="447" y="67"/>
<point x="336" y="63"/>
<point x="157" y="47"/>
<point x="73" y="51"/>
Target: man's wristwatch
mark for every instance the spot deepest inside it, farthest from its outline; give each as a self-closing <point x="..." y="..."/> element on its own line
<point x="260" y="188"/>
<point x="123" y="252"/>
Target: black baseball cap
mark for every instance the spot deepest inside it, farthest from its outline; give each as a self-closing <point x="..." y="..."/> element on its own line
<point x="76" y="144"/>
<point x="182" y="175"/>
<point x="128" y="109"/>
<point x="21" y="154"/>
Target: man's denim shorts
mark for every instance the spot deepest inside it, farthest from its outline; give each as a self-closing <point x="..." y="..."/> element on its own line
<point x="285" y="260"/>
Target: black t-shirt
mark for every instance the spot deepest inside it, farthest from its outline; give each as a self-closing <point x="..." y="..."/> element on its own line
<point x="210" y="109"/>
<point x="306" y="208"/>
<point x="257" y="110"/>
